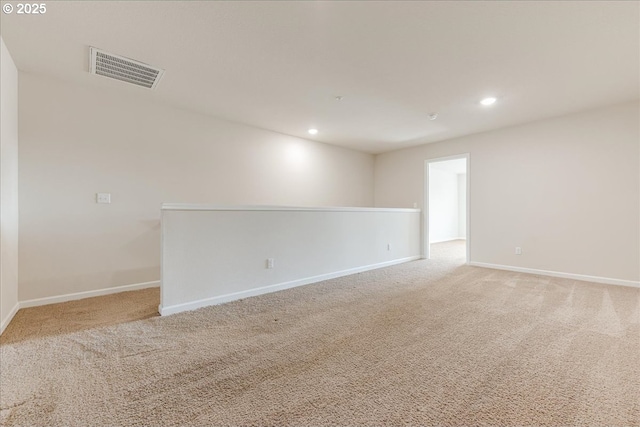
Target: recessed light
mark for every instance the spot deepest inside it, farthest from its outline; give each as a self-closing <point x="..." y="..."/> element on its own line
<point x="313" y="131"/>
<point x="433" y="116"/>
<point x="339" y="98"/>
<point x="488" y="101"/>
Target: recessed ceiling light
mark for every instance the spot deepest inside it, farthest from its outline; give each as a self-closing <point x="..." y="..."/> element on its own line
<point x="313" y="131"/>
<point x="488" y="101"/>
<point x="433" y="116"/>
<point x="339" y="98"/>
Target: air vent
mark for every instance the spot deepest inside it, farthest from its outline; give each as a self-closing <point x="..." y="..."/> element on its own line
<point x="124" y="69"/>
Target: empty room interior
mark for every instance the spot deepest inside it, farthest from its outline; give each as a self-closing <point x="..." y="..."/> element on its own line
<point x="320" y="213"/>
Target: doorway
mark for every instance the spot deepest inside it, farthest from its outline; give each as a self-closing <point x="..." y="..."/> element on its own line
<point x="446" y="213"/>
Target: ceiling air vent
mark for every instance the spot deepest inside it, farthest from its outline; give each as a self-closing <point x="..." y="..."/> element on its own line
<point x="124" y="69"/>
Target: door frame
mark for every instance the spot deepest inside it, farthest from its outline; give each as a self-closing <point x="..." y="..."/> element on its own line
<point x="426" y="251"/>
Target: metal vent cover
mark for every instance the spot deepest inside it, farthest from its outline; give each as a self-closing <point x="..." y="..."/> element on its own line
<point x="124" y="69"/>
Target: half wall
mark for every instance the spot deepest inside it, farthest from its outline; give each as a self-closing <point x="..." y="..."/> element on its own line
<point x="212" y="255"/>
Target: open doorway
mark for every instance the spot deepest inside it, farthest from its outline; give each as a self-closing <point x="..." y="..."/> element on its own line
<point x="446" y="213"/>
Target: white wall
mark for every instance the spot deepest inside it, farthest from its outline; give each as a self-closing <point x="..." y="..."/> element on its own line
<point x="77" y="141"/>
<point x="567" y="190"/>
<point x="443" y="205"/>
<point x="462" y="206"/>
<point x="8" y="187"/>
<point x="214" y="255"/>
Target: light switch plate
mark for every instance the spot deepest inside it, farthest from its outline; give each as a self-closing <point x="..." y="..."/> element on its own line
<point x="103" y="198"/>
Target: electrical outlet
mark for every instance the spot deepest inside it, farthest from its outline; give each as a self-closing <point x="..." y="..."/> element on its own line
<point x="103" y="197"/>
<point x="518" y="250"/>
<point x="269" y="262"/>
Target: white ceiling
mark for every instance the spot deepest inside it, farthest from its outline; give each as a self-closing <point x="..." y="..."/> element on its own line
<point x="279" y="65"/>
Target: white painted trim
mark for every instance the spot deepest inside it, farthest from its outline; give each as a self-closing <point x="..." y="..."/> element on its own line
<point x="425" y="220"/>
<point x="197" y="207"/>
<point x="9" y="318"/>
<point x="582" y="277"/>
<point x="162" y="233"/>
<point x="448" y="239"/>
<point x="87" y="294"/>
<point x="173" y="309"/>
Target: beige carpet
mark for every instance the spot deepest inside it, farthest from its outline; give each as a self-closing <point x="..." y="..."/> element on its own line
<point x="424" y="343"/>
<point x="88" y="313"/>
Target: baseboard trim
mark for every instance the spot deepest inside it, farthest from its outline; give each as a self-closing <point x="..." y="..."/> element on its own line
<point x="9" y="318"/>
<point x="581" y="277"/>
<point x="87" y="294"/>
<point x="221" y="299"/>
<point x="448" y="239"/>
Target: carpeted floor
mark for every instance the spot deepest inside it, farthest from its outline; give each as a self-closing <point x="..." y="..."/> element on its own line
<point x="88" y="313"/>
<point x="431" y="342"/>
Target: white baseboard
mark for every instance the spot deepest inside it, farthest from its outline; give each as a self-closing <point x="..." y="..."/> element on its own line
<point x="87" y="294"/>
<point x="173" y="309"/>
<point x="448" y="239"/>
<point x="7" y="320"/>
<point x="582" y="277"/>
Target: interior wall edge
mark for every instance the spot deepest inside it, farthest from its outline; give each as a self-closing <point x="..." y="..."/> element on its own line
<point x="9" y="318"/>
